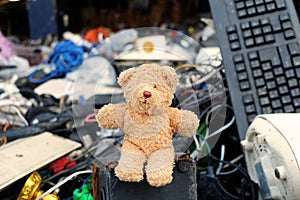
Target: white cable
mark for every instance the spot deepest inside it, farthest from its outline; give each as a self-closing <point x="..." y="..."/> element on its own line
<point x="63" y="182"/>
<point x="194" y="154"/>
<point x="208" y="135"/>
<point x="234" y="160"/>
<point x="5" y="94"/>
<point x="228" y="172"/>
<point x="207" y="123"/>
<point x="222" y="128"/>
<point x="221" y="159"/>
<point x="208" y="76"/>
<point x="201" y="99"/>
<point x="20" y="114"/>
<point x="16" y="109"/>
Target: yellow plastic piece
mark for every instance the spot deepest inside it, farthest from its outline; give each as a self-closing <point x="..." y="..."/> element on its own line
<point x="31" y="189"/>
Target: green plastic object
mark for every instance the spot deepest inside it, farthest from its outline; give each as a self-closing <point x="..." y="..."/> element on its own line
<point x="83" y="193"/>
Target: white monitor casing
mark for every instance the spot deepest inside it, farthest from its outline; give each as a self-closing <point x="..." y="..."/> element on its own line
<point x="272" y="154"/>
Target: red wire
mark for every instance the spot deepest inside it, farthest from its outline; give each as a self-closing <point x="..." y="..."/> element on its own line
<point x="90" y="118"/>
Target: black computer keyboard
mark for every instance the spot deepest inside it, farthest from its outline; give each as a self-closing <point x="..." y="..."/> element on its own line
<point x="259" y="43"/>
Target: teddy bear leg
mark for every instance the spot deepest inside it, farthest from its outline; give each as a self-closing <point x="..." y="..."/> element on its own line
<point x="160" y="166"/>
<point x="130" y="166"/>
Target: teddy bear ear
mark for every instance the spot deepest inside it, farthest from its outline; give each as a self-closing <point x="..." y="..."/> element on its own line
<point x="125" y="76"/>
<point x="170" y="76"/>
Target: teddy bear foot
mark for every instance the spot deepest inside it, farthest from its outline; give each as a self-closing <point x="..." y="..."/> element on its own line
<point x="129" y="176"/>
<point x="160" y="177"/>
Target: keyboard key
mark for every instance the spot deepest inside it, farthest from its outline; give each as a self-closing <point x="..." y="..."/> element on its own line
<point x="276" y="104"/>
<point x="257" y="73"/>
<point x="267" y="110"/>
<point x="296" y="102"/>
<point x="279" y="110"/>
<point x="245" y="25"/>
<point x="271" y="85"/>
<point x="264" y="101"/>
<point x="244" y="85"/>
<point x="289" y="109"/>
<point x="253" y="55"/>
<point x="269" y="76"/>
<point x="235" y="46"/>
<point x="266" y="66"/>
<point x="294" y="49"/>
<point x="280" y="80"/>
<point x="290" y="73"/>
<point x="250" y="109"/>
<point x="270" y="7"/>
<point x="278" y="71"/>
<point x="259" y="40"/>
<point x="273" y="94"/>
<point x="261" y="9"/>
<point x="283" y="89"/>
<point x="250" y="118"/>
<point x="296" y="61"/>
<point x="270" y="54"/>
<point x="249" y="3"/>
<point x="232" y="37"/>
<point x="248" y="99"/>
<point x="285" y="57"/>
<point x="298" y="73"/>
<point x="269" y="38"/>
<point x="254" y="24"/>
<point x="257" y="31"/>
<point x="231" y="29"/>
<point x="251" y="11"/>
<point x="289" y="34"/>
<point x="260" y="82"/>
<point x="284" y="17"/>
<point x="238" y="58"/>
<point x="268" y="1"/>
<point x="295" y="92"/>
<point x="293" y="83"/>
<point x="255" y="64"/>
<point x="267" y="29"/>
<point x="247" y="33"/>
<point x="258" y="2"/>
<point x="265" y="21"/>
<point x="286" y="99"/>
<point x="242" y="13"/>
<point x="242" y="76"/>
<point x="262" y="91"/>
<point x="286" y="25"/>
<point x="240" y="5"/>
<point x="240" y="67"/>
<point x="280" y="4"/>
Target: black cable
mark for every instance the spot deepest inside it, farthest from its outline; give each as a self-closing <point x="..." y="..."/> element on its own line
<point x="242" y="170"/>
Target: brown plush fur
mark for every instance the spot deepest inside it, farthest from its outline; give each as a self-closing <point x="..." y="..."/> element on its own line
<point x="148" y="123"/>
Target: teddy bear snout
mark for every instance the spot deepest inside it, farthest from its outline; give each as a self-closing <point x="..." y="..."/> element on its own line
<point x="147" y="94"/>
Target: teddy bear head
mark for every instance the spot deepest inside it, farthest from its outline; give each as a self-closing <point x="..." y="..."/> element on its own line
<point x="148" y="87"/>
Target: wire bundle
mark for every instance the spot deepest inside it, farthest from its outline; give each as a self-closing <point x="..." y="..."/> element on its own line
<point x="66" y="57"/>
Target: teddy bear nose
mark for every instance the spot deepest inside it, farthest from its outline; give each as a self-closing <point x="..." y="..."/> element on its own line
<point x="147" y="94"/>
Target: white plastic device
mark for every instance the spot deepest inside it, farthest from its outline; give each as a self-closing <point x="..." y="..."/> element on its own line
<point x="272" y="154"/>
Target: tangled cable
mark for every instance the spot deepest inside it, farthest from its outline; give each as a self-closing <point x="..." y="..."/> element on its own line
<point x="66" y="57"/>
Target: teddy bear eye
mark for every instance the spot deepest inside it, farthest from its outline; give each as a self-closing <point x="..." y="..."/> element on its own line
<point x="154" y="86"/>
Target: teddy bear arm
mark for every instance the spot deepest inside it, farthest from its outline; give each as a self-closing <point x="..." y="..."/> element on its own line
<point x="189" y="123"/>
<point x="184" y="122"/>
<point x="175" y="119"/>
<point x="111" y="116"/>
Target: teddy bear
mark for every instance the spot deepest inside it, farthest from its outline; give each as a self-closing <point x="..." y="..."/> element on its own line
<point x="148" y="122"/>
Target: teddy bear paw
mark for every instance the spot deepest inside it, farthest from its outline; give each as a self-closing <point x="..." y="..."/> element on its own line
<point x="129" y="176"/>
<point x="160" y="178"/>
